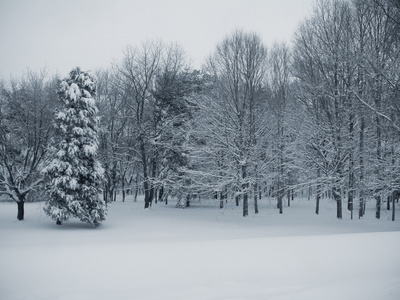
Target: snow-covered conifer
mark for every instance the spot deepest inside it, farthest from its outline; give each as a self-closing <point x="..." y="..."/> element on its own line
<point x="75" y="174"/>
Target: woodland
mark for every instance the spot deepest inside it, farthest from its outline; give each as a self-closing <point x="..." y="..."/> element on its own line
<point x="318" y="117"/>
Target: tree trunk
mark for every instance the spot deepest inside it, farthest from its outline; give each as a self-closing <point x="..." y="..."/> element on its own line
<point x="152" y="187"/>
<point x="318" y="191"/>
<point x="123" y="188"/>
<point x="151" y="194"/>
<point x="105" y="194"/>
<point x="136" y="189"/>
<point x="245" y="192"/>
<point x="338" y="199"/>
<point x="393" y="207"/>
<point x="280" y="194"/>
<point x="378" y="207"/>
<point x="255" y="198"/>
<point x="187" y="204"/>
<point x="221" y="200"/>
<point x="160" y="194"/>
<point x="350" y="196"/>
<point x="21" y="212"/>
<point x="280" y="206"/>
<point x="146" y="183"/>
<point x="146" y="193"/>
<point x="361" y="167"/>
<point x="245" y="205"/>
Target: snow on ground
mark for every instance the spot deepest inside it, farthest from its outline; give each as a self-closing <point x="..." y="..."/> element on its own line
<point x="201" y="252"/>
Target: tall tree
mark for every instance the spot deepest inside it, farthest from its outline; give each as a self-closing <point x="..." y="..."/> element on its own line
<point x="279" y="85"/>
<point x="25" y="135"/>
<point x="323" y="69"/>
<point x="75" y="173"/>
<point x="136" y="74"/>
<point x="232" y="121"/>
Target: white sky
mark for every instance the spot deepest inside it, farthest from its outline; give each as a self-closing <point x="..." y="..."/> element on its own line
<point x="63" y="34"/>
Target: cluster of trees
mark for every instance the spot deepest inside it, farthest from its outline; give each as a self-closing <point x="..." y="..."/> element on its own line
<point x="321" y="115"/>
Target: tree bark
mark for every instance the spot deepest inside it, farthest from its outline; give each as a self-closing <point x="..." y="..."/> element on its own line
<point x="393" y="207"/>
<point x="338" y="199"/>
<point x="378" y="207"/>
<point x="245" y="192"/>
<point x="160" y="194"/>
<point x="318" y="191"/>
<point x="255" y="198"/>
<point x="21" y="212"/>
<point x="146" y="183"/>
<point x="361" y="167"/>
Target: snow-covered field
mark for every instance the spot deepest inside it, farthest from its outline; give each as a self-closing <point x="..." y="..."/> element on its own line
<point x="200" y="252"/>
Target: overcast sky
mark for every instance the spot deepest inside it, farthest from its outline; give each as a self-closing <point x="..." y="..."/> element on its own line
<point x="63" y="34"/>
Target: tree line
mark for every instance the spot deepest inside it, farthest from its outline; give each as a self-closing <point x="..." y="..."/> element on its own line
<point x="321" y="114"/>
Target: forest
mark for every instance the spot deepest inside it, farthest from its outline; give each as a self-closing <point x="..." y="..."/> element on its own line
<point x="316" y="117"/>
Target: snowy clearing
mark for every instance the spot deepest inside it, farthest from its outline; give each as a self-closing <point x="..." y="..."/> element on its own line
<point x="200" y="252"/>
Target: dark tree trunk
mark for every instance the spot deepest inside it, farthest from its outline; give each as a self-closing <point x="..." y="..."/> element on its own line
<point x="361" y="168"/>
<point x="280" y="194"/>
<point x="350" y="198"/>
<point x="288" y="197"/>
<point x="317" y="203"/>
<point x="123" y="189"/>
<point x="152" y="187"/>
<point x="338" y="199"/>
<point x="136" y="189"/>
<point x="245" y="193"/>
<point x="318" y="191"/>
<point x="105" y="194"/>
<point x="146" y="194"/>
<point x="151" y="194"/>
<point x="378" y="207"/>
<point x="280" y="206"/>
<point x="146" y="183"/>
<point x="245" y="205"/>
<point x="255" y="199"/>
<point x="393" y="207"/>
<point x="187" y="204"/>
<point x="160" y="194"/>
<point x="21" y="212"/>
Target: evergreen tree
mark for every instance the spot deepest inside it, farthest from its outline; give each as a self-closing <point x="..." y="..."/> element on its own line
<point x="75" y="173"/>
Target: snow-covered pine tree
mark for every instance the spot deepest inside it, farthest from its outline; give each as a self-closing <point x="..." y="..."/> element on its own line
<point x="75" y="174"/>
